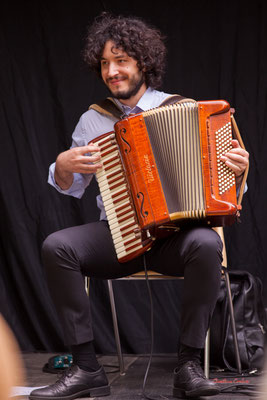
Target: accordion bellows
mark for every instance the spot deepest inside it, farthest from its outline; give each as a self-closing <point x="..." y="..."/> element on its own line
<point x="162" y="169"/>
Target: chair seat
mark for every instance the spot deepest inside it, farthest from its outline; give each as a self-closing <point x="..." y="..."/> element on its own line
<point x="151" y="275"/>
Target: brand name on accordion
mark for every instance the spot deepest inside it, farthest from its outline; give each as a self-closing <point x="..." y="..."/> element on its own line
<point x="148" y="169"/>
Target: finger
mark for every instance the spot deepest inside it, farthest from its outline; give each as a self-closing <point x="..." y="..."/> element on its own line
<point x="92" y="167"/>
<point x="90" y="148"/>
<point x="236" y="168"/>
<point x="239" y="151"/>
<point x="91" y="159"/>
<point x="238" y="165"/>
<point x="88" y="157"/>
<point x="235" y="143"/>
<point x="93" y="147"/>
<point x="88" y="168"/>
<point x="234" y="157"/>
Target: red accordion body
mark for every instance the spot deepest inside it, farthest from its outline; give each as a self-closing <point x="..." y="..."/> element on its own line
<point x="162" y="169"/>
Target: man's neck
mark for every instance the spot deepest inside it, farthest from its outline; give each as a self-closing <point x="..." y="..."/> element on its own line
<point x="132" y="101"/>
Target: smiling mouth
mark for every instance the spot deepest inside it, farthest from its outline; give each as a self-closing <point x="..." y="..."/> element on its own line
<point x="116" y="81"/>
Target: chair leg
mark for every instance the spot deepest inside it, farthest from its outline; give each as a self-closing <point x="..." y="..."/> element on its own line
<point x="115" y="326"/>
<point x="207" y="355"/>
<point x="232" y="320"/>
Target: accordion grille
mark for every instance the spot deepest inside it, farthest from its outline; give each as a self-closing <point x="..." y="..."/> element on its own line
<point x="175" y="139"/>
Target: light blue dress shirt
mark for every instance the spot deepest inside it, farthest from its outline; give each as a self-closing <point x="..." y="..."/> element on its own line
<point x="93" y="124"/>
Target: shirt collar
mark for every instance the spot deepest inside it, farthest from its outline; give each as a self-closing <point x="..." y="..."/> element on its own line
<point x="144" y="103"/>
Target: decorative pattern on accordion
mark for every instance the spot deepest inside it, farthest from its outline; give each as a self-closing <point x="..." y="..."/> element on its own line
<point x="223" y="145"/>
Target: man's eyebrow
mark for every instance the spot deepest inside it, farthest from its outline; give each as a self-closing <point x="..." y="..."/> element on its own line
<point x="121" y="55"/>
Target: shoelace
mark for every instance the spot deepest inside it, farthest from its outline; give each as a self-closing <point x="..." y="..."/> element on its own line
<point x="195" y="368"/>
<point x="67" y="373"/>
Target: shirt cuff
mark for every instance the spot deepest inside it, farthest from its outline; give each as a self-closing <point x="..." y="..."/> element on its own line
<point x="78" y="186"/>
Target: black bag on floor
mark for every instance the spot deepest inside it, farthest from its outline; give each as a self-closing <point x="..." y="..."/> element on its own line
<point x="250" y="319"/>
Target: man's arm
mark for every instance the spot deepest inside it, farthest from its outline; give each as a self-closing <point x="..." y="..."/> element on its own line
<point x="75" y="160"/>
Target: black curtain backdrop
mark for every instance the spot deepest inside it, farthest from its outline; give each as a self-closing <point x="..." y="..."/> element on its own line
<point x="215" y="50"/>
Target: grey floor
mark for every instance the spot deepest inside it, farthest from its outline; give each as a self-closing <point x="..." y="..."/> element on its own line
<point x="130" y="385"/>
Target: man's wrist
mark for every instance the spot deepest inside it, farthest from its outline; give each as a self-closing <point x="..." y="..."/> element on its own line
<point x="62" y="178"/>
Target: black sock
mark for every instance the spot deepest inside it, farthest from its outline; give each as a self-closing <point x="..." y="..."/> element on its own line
<point x="187" y="353"/>
<point x="84" y="356"/>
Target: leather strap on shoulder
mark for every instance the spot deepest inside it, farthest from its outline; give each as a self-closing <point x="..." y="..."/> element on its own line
<point x="107" y="107"/>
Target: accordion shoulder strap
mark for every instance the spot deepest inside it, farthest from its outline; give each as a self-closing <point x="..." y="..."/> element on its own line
<point x="107" y="107"/>
<point x="110" y="108"/>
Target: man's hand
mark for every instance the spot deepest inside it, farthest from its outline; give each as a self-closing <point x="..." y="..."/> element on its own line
<point x="76" y="160"/>
<point x="237" y="160"/>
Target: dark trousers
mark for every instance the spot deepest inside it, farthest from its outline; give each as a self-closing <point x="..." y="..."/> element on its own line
<point x="88" y="250"/>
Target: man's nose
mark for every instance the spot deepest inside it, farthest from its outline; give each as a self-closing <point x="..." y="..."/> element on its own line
<point x="112" y="70"/>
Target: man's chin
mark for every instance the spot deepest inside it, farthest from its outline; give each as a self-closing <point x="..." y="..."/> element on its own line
<point x="120" y="95"/>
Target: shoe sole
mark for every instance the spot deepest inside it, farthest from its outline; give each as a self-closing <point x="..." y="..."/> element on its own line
<point x="208" y="391"/>
<point x="94" y="392"/>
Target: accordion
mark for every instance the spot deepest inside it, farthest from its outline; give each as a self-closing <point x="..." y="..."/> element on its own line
<point x="162" y="169"/>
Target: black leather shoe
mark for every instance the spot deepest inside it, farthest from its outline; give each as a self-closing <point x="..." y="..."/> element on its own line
<point x="190" y="381"/>
<point x="74" y="383"/>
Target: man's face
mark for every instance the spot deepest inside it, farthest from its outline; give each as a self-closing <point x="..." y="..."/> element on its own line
<point x="120" y="72"/>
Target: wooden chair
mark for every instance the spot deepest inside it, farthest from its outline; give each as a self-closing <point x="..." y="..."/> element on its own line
<point x="154" y="275"/>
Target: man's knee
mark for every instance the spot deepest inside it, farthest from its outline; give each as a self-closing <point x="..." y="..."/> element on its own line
<point x="205" y="244"/>
<point x="52" y="246"/>
<point x="210" y="240"/>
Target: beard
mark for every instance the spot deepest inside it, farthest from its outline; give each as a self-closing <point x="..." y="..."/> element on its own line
<point x="135" y="84"/>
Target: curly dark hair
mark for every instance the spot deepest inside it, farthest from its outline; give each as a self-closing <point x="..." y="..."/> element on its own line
<point x="140" y="41"/>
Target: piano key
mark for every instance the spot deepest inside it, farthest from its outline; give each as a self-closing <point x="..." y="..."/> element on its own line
<point x="115" y="186"/>
<point x="114" y="223"/>
<point x="109" y="197"/>
<point x="112" y="215"/>
<point x="102" y="175"/>
<point x="113" y="194"/>
<point x="126" y="235"/>
<point x="118" y="174"/>
<point x="116" y="202"/>
<point x="131" y="236"/>
<point x="120" y="255"/>
<point x="124" y="226"/>
<point x="121" y="247"/>
<point x="109" y="151"/>
<point x="104" y="140"/>
<point x="106" y="161"/>
<point x="112" y="206"/>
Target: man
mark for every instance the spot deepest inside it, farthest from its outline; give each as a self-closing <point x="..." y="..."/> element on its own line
<point x="129" y="56"/>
